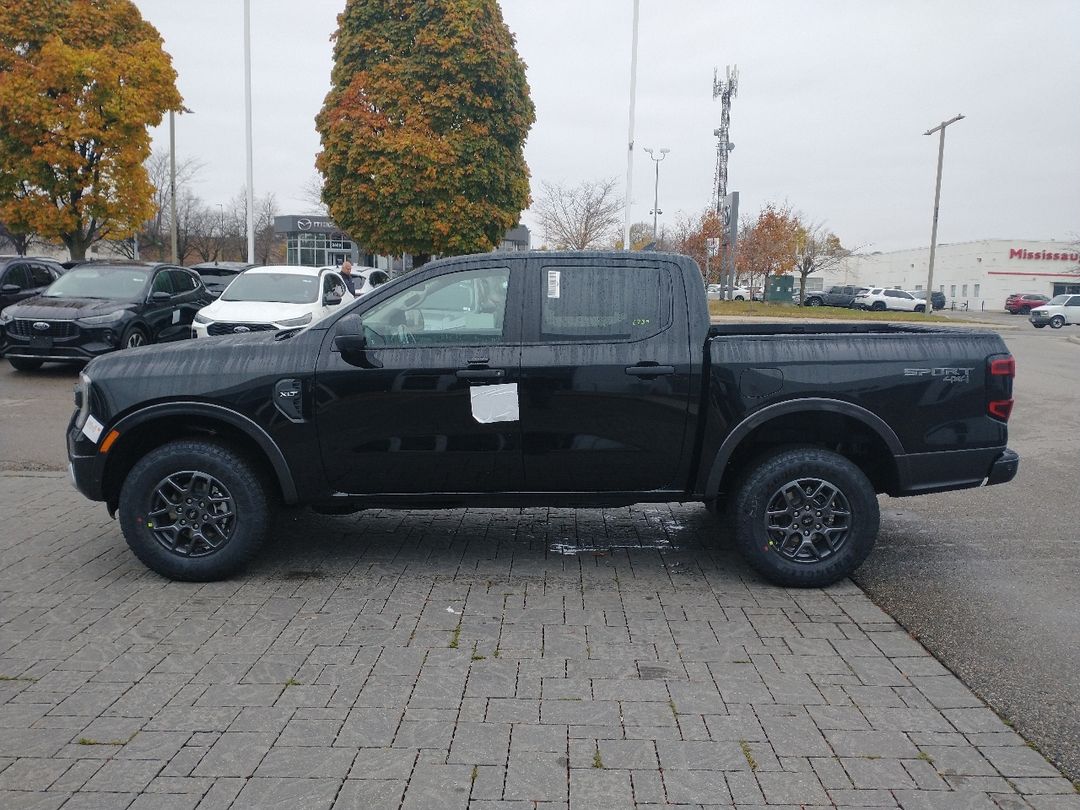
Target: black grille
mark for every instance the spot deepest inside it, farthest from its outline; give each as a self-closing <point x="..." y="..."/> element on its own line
<point x="230" y="328"/>
<point x="57" y="329"/>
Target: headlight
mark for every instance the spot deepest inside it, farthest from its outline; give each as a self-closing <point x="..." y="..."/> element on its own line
<point x="101" y="320"/>
<point x="303" y="319"/>
<point x="82" y="400"/>
<point x="6" y="316"/>
<point x="200" y="318"/>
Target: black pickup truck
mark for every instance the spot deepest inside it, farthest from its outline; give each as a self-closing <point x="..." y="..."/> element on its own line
<point x="570" y="379"/>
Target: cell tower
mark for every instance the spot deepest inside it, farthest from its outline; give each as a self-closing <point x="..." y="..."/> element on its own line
<point x="725" y="91"/>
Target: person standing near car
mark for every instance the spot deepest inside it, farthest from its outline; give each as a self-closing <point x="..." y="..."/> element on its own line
<point x="346" y="274"/>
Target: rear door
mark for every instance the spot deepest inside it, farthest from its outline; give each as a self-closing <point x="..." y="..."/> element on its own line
<point x="431" y="404"/>
<point x="605" y="375"/>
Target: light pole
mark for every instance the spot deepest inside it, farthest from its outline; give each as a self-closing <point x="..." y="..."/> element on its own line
<point x="656" y="186"/>
<point x="630" y="134"/>
<point x="247" y="131"/>
<point x="221" y="238"/>
<point x="928" y="308"/>
<point x="172" y="178"/>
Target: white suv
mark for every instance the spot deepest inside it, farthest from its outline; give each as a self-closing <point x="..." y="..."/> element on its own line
<point x="270" y="298"/>
<point x="879" y="298"/>
<point x="1058" y="311"/>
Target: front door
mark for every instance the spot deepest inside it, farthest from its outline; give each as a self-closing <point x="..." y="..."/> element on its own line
<point x="430" y="404"/>
<point x="605" y="367"/>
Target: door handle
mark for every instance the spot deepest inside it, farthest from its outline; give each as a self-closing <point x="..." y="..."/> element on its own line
<point x="649" y="371"/>
<point x="480" y="373"/>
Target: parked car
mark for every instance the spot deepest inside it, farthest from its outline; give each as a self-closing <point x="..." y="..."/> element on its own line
<point x="717" y="292"/>
<point x="216" y="276"/>
<point x="1057" y="312"/>
<point x="841" y="296"/>
<point x="267" y="299"/>
<point x="365" y="279"/>
<point x="542" y="378"/>
<point x="880" y="298"/>
<point x="23" y="277"/>
<point x="937" y="298"/>
<point x="98" y="308"/>
<point x="1023" y="303"/>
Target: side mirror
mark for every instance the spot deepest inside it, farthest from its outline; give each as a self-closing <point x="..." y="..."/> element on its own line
<point x="10" y="289"/>
<point x="331" y="299"/>
<point x="350" y="337"/>
<point x="160" y="297"/>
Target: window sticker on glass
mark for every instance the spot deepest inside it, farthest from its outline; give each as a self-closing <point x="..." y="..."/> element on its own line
<point x="553" y="283"/>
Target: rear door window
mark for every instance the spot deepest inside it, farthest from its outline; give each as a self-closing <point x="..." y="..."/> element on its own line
<point x="603" y="303"/>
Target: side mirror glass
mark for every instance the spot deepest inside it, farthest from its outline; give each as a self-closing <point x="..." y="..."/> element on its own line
<point x="160" y="296"/>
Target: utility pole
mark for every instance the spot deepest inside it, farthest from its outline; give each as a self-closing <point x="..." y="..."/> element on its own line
<point x="172" y="182"/>
<point x="928" y="309"/>
<point x="247" y="127"/>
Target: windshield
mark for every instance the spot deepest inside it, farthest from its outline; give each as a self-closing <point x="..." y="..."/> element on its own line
<point x="1059" y="300"/>
<point x="114" y="284"/>
<point x="218" y="276"/>
<point x="273" y="288"/>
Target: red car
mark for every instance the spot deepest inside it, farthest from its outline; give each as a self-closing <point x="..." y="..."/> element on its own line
<point x="1023" y="303"/>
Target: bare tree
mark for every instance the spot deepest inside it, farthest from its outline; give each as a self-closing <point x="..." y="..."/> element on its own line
<point x="579" y="217"/>
<point x="268" y="245"/>
<point x="312" y="194"/>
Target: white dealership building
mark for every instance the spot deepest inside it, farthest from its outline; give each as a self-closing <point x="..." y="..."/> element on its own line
<point x="976" y="275"/>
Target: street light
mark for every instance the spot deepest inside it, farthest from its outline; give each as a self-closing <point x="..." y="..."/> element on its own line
<point x="172" y="177"/>
<point x="656" y="186"/>
<point x="928" y="308"/>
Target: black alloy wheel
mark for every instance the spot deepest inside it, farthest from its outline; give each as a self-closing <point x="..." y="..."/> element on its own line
<point x="805" y="517"/>
<point x="195" y="510"/>
<point x="133" y="338"/>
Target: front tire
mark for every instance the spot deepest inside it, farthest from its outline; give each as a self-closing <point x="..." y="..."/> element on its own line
<point x="920" y="308"/>
<point x="133" y="338"/>
<point x="878" y="306"/>
<point x="25" y="363"/>
<point x="805" y="517"/>
<point x="813" y="302"/>
<point x="194" y="510"/>
<point x="1057" y="322"/>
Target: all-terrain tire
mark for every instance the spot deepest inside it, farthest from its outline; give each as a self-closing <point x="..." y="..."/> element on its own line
<point x="195" y="510"/>
<point x="813" y="543"/>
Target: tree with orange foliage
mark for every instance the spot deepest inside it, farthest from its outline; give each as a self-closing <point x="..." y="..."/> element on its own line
<point x="691" y="237"/>
<point x="768" y="245"/>
<point x="423" y="130"/>
<point x="80" y="83"/>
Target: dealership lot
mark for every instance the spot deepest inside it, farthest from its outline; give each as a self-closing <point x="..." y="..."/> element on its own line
<point x="495" y="658"/>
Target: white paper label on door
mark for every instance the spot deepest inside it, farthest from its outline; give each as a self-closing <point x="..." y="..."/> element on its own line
<point x="553" y="283"/>
<point x="494" y="403"/>
<point x="176" y="316"/>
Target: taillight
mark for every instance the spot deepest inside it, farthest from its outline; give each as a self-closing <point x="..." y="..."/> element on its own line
<point x="1000" y="369"/>
<point x="1003" y="366"/>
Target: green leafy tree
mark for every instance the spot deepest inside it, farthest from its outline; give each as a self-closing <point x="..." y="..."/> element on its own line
<point x="80" y="83"/>
<point x="424" y="127"/>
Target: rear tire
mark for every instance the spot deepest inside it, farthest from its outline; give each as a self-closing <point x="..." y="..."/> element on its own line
<point x="194" y="510"/>
<point x="1057" y="322"/>
<point x="1025" y="310"/>
<point x="799" y="539"/>
<point x="25" y="363"/>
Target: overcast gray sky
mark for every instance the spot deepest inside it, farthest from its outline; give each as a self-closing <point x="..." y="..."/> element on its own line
<point x="833" y="99"/>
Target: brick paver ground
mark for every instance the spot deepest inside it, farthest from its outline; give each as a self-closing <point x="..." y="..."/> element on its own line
<point x="467" y="659"/>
